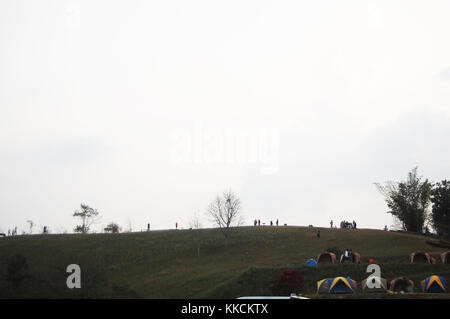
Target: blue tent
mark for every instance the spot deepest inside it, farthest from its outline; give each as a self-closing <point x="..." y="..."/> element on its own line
<point x="434" y="284"/>
<point x="311" y="262"/>
<point x="338" y="285"/>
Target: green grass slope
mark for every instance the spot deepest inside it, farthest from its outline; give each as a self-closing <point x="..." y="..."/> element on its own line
<point x="164" y="264"/>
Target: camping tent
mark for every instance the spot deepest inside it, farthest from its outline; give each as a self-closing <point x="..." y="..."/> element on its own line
<point x="421" y="257"/>
<point x="374" y="284"/>
<point x="323" y="286"/>
<point x="402" y="284"/>
<point x="311" y="262"/>
<point x="357" y="258"/>
<point x="326" y="258"/>
<point x="338" y="285"/>
<point x="434" y="284"/>
<point x="445" y="257"/>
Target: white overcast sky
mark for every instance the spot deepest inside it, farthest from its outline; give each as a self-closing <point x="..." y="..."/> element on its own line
<point x="96" y="97"/>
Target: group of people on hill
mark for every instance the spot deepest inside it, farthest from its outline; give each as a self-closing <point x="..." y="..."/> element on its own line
<point x="12" y="232"/>
<point x="176" y="226"/>
<point x="348" y="225"/>
<point x="257" y="222"/>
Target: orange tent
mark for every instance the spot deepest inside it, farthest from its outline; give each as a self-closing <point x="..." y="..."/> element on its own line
<point x="326" y="258"/>
<point x="445" y="257"/>
<point x="402" y="284"/>
<point x="421" y="257"/>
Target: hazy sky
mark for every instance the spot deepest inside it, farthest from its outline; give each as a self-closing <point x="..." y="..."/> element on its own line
<point x="146" y="110"/>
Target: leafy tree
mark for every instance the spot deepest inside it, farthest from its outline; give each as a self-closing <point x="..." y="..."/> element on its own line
<point x="225" y="212"/>
<point x="88" y="216"/>
<point x="408" y="201"/>
<point x="112" y="228"/>
<point x="440" y="212"/>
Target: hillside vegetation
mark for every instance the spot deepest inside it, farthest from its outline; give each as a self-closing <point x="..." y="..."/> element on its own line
<point x="164" y="264"/>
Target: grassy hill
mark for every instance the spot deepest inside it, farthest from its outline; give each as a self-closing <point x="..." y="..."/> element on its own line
<point x="164" y="264"/>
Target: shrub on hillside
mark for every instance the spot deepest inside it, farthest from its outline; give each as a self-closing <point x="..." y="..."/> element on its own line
<point x="289" y="281"/>
<point x="112" y="228"/>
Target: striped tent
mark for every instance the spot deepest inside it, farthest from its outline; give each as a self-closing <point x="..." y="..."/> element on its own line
<point x="434" y="284"/>
<point x="337" y="285"/>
